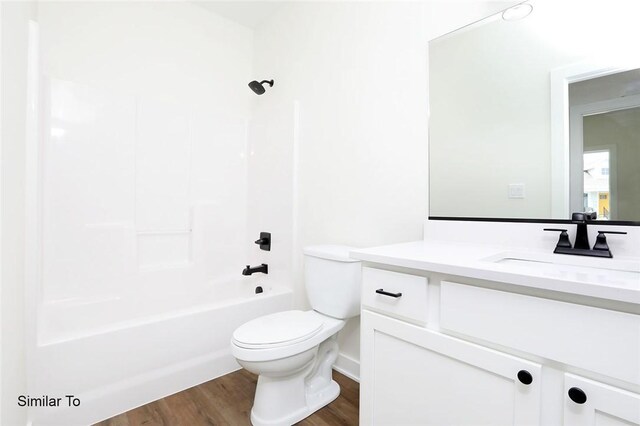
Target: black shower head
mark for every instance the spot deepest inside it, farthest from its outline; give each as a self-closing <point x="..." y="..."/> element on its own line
<point x="258" y="88"/>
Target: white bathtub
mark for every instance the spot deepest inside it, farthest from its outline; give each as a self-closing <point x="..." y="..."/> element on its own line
<point x="117" y="353"/>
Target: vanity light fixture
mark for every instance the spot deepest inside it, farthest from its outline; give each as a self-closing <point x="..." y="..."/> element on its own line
<point x="517" y="12"/>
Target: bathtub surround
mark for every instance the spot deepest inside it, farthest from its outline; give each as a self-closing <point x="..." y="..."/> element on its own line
<point x="138" y="188"/>
<point x="177" y="183"/>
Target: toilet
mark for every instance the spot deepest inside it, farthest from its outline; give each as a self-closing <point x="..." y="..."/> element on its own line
<point x="292" y="352"/>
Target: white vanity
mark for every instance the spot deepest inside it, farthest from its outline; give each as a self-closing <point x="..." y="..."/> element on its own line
<point x="459" y="333"/>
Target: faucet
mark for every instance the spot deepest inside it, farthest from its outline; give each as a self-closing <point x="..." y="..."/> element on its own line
<point x="264" y="268"/>
<point x="581" y="247"/>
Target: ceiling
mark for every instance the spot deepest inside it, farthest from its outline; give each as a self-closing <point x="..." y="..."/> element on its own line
<point x="253" y="13"/>
<point x="247" y="13"/>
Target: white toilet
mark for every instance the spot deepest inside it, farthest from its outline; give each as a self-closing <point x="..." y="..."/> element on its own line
<point x="293" y="351"/>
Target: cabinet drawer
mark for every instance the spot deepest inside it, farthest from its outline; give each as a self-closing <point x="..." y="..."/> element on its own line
<point x="599" y="340"/>
<point x="399" y="295"/>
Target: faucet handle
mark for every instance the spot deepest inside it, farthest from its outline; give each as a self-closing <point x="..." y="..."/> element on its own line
<point x="265" y="241"/>
<point x="563" y="241"/>
<point x="601" y="240"/>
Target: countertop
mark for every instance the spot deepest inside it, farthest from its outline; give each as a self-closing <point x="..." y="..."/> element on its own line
<point x="580" y="275"/>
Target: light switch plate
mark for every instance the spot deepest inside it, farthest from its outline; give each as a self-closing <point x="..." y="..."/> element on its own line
<point x="516" y="190"/>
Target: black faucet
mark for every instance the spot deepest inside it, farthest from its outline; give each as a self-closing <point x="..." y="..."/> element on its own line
<point x="264" y="268"/>
<point x="581" y="247"/>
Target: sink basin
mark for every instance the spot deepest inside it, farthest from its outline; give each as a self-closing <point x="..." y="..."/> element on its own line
<point x="580" y="268"/>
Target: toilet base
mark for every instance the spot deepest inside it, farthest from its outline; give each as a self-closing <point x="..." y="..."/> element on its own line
<point x="285" y="400"/>
<point x="315" y="402"/>
<point x="323" y="397"/>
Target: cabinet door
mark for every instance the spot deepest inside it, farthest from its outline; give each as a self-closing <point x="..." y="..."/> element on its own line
<point x="414" y="376"/>
<point x="590" y="403"/>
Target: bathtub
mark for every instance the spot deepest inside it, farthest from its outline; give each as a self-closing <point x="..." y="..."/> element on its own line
<point x="115" y="353"/>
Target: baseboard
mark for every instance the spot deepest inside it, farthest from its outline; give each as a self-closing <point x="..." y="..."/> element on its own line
<point x="348" y="366"/>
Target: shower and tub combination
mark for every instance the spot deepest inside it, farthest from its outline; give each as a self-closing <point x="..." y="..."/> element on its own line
<point x="140" y="177"/>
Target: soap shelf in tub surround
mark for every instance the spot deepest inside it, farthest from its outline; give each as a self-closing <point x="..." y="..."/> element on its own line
<point x="467" y="333"/>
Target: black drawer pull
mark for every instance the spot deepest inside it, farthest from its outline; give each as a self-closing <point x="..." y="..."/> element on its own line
<point x="577" y="395"/>
<point x="386" y="293"/>
<point x="525" y="377"/>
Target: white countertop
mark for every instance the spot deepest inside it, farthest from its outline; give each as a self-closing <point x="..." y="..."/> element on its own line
<point x="586" y="276"/>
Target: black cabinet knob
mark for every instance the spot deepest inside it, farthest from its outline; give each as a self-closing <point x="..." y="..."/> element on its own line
<point x="577" y="395"/>
<point x="525" y="377"/>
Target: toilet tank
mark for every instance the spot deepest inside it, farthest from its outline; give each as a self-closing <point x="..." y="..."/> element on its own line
<point x="332" y="280"/>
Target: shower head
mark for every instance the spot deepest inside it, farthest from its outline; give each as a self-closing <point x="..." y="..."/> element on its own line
<point x="258" y="88"/>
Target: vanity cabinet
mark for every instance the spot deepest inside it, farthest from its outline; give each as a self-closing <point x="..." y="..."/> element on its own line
<point x="414" y="376"/>
<point x="482" y="356"/>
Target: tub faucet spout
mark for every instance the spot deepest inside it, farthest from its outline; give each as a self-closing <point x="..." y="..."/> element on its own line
<point x="264" y="268"/>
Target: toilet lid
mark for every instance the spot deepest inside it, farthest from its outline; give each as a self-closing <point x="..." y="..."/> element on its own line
<point x="279" y="329"/>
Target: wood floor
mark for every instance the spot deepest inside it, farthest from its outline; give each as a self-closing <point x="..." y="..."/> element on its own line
<point x="227" y="400"/>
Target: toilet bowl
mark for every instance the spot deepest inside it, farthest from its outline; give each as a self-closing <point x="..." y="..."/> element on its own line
<point x="293" y="352"/>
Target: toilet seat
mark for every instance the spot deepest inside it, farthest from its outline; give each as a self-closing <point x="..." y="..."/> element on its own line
<point x="277" y="330"/>
<point x="257" y="353"/>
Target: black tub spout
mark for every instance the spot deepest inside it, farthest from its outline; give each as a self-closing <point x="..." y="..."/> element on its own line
<point x="264" y="268"/>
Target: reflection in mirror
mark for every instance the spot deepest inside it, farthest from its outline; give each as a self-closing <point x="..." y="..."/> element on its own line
<point x="538" y="116"/>
<point x="605" y="134"/>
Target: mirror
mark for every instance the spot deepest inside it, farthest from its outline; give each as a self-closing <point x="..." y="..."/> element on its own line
<point x="535" y="113"/>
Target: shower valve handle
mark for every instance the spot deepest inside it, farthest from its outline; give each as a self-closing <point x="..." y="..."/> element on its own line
<point x="265" y="241"/>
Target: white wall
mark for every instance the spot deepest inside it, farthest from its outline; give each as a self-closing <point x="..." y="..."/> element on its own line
<point x="346" y="122"/>
<point x="13" y="90"/>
